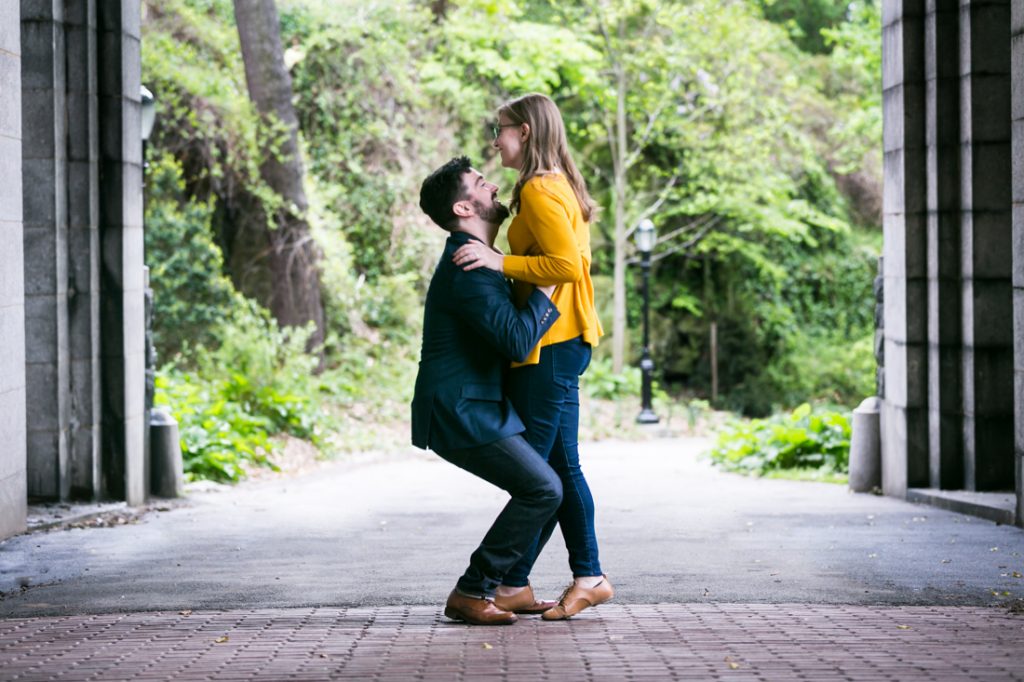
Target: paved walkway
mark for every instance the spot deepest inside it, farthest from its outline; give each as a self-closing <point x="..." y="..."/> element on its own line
<point x="341" y="573"/>
<point x="614" y="642"/>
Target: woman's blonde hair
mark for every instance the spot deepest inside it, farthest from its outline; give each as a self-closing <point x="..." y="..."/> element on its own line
<point x="545" y="148"/>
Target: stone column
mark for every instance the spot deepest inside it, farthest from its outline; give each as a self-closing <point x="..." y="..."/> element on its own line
<point x="905" y="408"/>
<point x="985" y="233"/>
<point x="83" y="249"/>
<point x="13" y="490"/>
<point x="942" y="137"/>
<point x="1017" y="97"/>
<point x="44" y="168"/>
<point x="121" y="276"/>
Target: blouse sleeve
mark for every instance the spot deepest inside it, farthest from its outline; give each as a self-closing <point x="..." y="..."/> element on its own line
<point x="548" y="221"/>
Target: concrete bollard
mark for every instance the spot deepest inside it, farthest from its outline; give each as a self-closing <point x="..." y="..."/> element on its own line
<point x="866" y="447"/>
<point x="167" y="477"/>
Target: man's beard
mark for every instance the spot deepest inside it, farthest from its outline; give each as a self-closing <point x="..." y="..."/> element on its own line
<point x="495" y="214"/>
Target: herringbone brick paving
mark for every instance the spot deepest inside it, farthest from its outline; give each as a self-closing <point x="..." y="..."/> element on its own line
<point x="615" y="642"/>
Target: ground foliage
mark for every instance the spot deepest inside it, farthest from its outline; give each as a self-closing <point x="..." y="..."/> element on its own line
<point x="804" y="439"/>
<point x="745" y="116"/>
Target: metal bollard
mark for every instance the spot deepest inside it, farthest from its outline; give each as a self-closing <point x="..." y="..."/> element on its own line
<point x="166" y="469"/>
<point x="866" y="448"/>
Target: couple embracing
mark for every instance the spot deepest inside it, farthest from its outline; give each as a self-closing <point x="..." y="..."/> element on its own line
<point x="497" y="392"/>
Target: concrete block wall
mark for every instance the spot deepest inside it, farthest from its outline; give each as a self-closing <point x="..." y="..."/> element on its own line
<point x="122" y="325"/>
<point x="952" y="106"/>
<point x="84" y="440"/>
<point x="985" y="244"/>
<point x="13" y="475"/>
<point x="44" y="168"/>
<point x="904" y="414"/>
<point x="1017" y="115"/>
<point x="942" y="137"/>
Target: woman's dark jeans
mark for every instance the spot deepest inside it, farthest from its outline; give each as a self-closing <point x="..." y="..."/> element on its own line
<point x="514" y="466"/>
<point x="547" y="398"/>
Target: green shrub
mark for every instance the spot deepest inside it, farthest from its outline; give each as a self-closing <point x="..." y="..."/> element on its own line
<point x="191" y="295"/>
<point x="218" y="436"/>
<point x="256" y="383"/>
<point x="601" y="382"/>
<point x="802" y="439"/>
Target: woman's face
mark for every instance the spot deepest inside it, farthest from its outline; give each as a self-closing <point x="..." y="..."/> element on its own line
<point x="509" y="142"/>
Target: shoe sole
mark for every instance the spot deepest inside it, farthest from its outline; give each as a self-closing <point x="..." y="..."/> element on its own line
<point x="458" y="617"/>
<point x="571" y="615"/>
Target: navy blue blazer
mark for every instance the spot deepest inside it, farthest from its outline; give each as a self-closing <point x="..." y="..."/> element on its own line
<point x="471" y="330"/>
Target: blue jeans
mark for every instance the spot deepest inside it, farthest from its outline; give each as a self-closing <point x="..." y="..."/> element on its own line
<point x="547" y="398"/>
<point x="514" y="466"/>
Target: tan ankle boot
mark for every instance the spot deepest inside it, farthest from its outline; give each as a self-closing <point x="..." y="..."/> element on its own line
<point x="576" y="598"/>
<point x="523" y="602"/>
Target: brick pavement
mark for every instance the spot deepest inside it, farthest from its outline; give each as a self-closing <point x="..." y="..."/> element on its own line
<point x="615" y="642"/>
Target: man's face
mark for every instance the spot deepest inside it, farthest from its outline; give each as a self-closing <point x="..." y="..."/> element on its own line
<point x="483" y="196"/>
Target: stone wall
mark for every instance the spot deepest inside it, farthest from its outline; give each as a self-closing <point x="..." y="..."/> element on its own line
<point x="12" y="307"/>
<point x="904" y="414"/>
<point x="44" y="168"/>
<point x="1017" y="98"/>
<point x="949" y="407"/>
<point x="83" y="257"/>
<point x="122" y="304"/>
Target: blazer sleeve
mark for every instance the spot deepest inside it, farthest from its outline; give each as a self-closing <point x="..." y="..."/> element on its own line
<point x="481" y="299"/>
<point x="561" y="258"/>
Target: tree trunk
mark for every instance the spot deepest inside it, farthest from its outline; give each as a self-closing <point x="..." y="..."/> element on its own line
<point x="619" y="278"/>
<point x="290" y="256"/>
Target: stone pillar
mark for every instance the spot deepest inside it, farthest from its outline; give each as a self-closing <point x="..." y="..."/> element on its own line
<point x="121" y="276"/>
<point x="985" y="233"/>
<point x="83" y="249"/>
<point x="905" y="408"/>
<point x="1017" y="97"/>
<point x="13" y="489"/>
<point x="44" y="168"/>
<point x="942" y="137"/>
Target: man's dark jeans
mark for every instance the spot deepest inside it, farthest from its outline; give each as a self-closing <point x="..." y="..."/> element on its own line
<point x="514" y="466"/>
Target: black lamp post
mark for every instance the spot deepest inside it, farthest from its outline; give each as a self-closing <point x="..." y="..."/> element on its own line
<point x="645" y="238"/>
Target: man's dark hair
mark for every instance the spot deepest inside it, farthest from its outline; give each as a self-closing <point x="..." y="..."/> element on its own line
<point x="442" y="189"/>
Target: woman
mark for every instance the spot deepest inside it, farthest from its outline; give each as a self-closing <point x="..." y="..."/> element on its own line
<point x="550" y="243"/>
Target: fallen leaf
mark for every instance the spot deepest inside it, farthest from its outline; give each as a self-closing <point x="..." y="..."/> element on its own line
<point x="186" y="612"/>
<point x="734" y="666"/>
<point x="872" y="556"/>
<point x="902" y="627"/>
<point x="994" y="549"/>
<point x="1017" y="574"/>
<point x="221" y="639"/>
<point x="487" y="646"/>
<point x="946" y="561"/>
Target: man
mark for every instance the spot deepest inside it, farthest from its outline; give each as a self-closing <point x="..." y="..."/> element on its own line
<point x="471" y="330"/>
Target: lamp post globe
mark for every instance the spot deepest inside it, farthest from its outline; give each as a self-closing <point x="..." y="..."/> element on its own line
<point x="646" y="237"/>
<point x="148" y="117"/>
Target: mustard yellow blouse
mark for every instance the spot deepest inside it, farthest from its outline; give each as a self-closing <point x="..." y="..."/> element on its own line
<point x="550" y="244"/>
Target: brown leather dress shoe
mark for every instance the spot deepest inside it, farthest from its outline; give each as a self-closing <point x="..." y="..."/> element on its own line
<point x="523" y="603"/>
<point x="576" y="598"/>
<point x="476" y="611"/>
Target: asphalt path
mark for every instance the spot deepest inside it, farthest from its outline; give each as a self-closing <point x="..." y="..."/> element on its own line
<point x="398" y="529"/>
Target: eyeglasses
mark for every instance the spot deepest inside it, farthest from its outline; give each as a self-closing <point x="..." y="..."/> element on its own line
<point x="496" y="128"/>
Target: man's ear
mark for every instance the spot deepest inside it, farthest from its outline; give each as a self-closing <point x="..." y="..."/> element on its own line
<point x="463" y="209"/>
